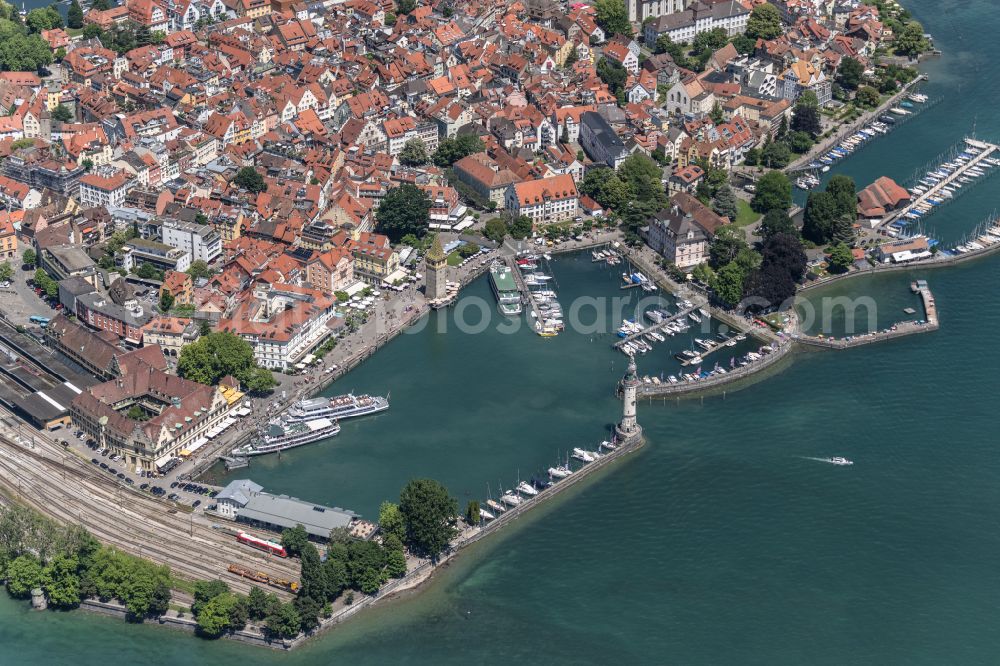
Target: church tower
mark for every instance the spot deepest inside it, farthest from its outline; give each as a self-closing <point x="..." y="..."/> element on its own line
<point x="629" y="429"/>
<point x="436" y="272"/>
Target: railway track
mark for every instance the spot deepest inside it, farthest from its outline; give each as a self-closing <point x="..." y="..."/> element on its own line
<point x="125" y="518"/>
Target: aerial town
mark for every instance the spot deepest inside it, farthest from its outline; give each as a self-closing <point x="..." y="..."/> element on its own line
<point x="212" y="209"/>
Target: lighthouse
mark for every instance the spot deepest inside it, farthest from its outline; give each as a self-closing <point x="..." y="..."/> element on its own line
<point x="629" y="429"/>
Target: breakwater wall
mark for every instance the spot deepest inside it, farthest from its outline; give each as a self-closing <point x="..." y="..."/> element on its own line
<point x="686" y="387"/>
<point x="425" y="570"/>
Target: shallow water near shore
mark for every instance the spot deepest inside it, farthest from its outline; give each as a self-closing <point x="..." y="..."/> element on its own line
<point x="721" y="541"/>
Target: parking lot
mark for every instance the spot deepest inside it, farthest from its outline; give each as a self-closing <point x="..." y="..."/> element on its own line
<point x="195" y="495"/>
<point x="19" y="302"/>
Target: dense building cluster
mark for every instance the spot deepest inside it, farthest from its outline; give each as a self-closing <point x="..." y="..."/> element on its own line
<point x="234" y="155"/>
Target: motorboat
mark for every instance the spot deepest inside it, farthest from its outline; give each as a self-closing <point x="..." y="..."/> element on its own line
<point x="527" y="489"/>
<point x="560" y="472"/>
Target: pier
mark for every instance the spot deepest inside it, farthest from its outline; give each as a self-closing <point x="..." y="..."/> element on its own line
<point x="802" y="163"/>
<point x="898" y="330"/>
<point x="923" y="203"/>
<point x="656" y="327"/>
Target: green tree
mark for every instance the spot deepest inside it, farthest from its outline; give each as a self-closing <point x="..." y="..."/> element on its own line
<point x="214" y="616"/>
<point x="495" y="230"/>
<point x="612" y="16"/>
<point x="752" y="157"/>
<point x="308" y="609"/>
<point x="521" y="227"/>
<point x="844" y="192"/>
<point x="613" y="74"/>
<point x="840" y="258"/>
<point x="644" y="178"/>
<point x="451" y="150"/>
<point x="777" y="221"/>
<point x="868" y="97"/>
<point x="283" y="622"/>
<point x="414" y="153"/>
<point x="390" y="520"/>
<point x="725" y="246"/>
<point x="205" y="591"/>
<point x="910" y="42"/>
<point x="395" y="564"/>
<point x="216" y="355"/>
<point x="850" y="73"/>
<point x="703" y="273"/>
<point x="166" y="301"/>
<point x="615" y="193"/>
<point x="819" y="217"/>
<point x="43" y="18"/>
<point x="62" y="114"/>
<point x="744" y="44"/>
<point x="774" y="190"/>
<point x="805" y="115"/>
<point x="800" y="142"/>
<point x="594" y="179"/>
<point x="676" y="51"/>
<point x="249" y="179"/>
<point x="335" y="573"/>
<point x="428" y="511"/>
<point x="725" y="203"/>
<point x="716" y="114"/>
<point x="29" y="257"/>
<point x="6" y="271"/>
<point x="404" y="210"/>
<point x="776" y="155"/>
<point x="259" y="603"/>
<point x="295" y="539"/>
<point x="472" y="512"/>
<point x="61" y="582"/>
<point x="21" y="52"/>
<point x="74" y="15"/>
<point x="148" y="271"/>
<point x="23" y="575"/>
<point x="404" y="7"/>
<point x="764" y="22"/>
<point x="199" y="269"/>
<point x="728" y="284"/>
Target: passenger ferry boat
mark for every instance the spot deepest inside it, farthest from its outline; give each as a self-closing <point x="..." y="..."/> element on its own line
<point x="339" y="407"/>
<point x="283" y="435"/>
<point x="505" y="289"/>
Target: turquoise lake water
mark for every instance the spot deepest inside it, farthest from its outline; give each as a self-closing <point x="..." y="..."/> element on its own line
<point x="721" y="541"/>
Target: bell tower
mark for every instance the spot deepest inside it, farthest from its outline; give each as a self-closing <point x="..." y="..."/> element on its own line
<point x="436" y="270"/>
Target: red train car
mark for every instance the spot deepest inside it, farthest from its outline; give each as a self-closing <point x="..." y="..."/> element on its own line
<point x="262" y="544"/>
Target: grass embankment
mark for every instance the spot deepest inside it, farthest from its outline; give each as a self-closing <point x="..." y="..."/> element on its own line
<point x="745" y="215"/>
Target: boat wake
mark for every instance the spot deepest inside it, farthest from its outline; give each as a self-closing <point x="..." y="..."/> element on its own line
<point x="836" y="460"/>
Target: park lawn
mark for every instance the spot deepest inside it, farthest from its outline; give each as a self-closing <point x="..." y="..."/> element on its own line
<point x="454" y="259"/>
<point x="745" y="214"/>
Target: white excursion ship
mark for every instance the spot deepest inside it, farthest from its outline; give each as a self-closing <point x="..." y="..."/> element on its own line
<point x="339" y="407"/>
<point x="283" y="435"/>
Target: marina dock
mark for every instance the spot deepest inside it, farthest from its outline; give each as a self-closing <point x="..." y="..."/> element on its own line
<point x="941" y="190"/>
<point x="657" y="326"/>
